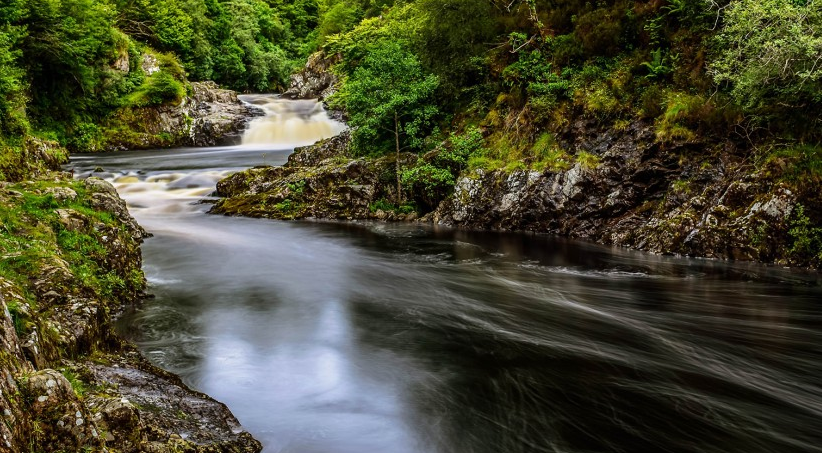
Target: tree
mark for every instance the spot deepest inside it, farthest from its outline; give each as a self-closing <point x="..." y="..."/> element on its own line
<point x="389" y="100"/>
<point x="12" y="86"/>
<point x="770" y="52"/>
<point x="451" y="33"/>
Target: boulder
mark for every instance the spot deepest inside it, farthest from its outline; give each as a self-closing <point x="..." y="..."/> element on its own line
<point x="315" y="80"/>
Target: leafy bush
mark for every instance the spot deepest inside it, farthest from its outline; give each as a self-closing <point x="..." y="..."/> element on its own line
<point x="158" y="89"/>
<point x="84" y="137"/>
<point x="429" y="183"/>
<point x="806" y="239"/>
<point x="768" y="53"/>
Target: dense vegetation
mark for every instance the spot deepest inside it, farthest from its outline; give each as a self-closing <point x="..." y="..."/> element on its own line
<point x="516" y="77"/>
<point x="527" y="67"/>
<point x="65" y="65"/>
<point x="466" y="84"/>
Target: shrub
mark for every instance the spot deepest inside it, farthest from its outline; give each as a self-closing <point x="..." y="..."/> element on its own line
<point x="806" y="239"/>
<point x="768" y="53"/>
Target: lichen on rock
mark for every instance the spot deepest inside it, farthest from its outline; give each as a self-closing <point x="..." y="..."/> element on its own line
<point x="71" y="260"/>
<point x="208" y="116"/>
<point x="322" y="181"/>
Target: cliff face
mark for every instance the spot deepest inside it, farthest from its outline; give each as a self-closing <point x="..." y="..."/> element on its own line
<point x="70" y="261"/>
<point x="315" y="80"/>
<point x="208" y="116"/>
<point x="692" y="198"/>
<point x="674" y="198"/>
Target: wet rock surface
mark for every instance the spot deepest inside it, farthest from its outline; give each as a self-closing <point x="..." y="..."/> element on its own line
<point x="321" y="181"/>
<point x="67" y="382"/>
<point x="315" y="80"/>
<point x="702" y="199"/>
<point x="148" y="408"/>
<point x="209" y="116"/>
<point x="670" y="199"/>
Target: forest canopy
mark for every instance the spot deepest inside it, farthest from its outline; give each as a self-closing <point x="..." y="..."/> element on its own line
<point x="520" y="66"/>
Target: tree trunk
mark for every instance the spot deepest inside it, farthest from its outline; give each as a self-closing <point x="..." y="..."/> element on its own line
<point x="397" y="140"/>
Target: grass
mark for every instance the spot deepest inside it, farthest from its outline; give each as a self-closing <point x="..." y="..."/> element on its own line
<point x="80" y="388"/>
<point x="32" y="237"/>
<point x="587" y="160"/>
<point x="385" y="205"/>
<point x="509" y="153"/>
<point x="800" y="164"/>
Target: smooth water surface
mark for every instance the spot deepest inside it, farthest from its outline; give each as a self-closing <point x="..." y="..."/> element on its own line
<point x="372" y="337"/>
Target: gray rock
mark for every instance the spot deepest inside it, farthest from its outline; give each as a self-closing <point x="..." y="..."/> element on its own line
<point x="62" y="194"/>
<point x="315" y="80"/>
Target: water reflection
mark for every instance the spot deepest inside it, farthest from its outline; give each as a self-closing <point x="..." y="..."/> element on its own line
<point x="360" y="337"/>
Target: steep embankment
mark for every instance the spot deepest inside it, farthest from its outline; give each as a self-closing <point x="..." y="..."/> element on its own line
<point x="690" y="198"/>
<point x="208" y="116"/>
<point x="699" y="196"/>
<point x="70" y="261"/>
<point x="320" y="181"/>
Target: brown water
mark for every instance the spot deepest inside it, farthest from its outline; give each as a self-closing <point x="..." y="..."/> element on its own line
<point x="372" y="337"/>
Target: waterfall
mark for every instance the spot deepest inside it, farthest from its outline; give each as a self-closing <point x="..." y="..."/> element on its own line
<point x="288" y="123"/>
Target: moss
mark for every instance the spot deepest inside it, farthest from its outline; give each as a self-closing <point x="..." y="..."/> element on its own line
<point x="76" y="261"/>
<point x="77" y="385"/>
<point x="587" y="160"/>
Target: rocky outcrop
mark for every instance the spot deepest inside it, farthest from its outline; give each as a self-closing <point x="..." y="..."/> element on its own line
<point x="687" y="198"/>
<point x="36" y="157"/>
<point x="217" y="115"/>
<point x="315" y="80"/>
<point x="665" y="198"/>
<point x="320" y="181"/>
<point x="208" y="116"/>
<point x="71" y="259"/>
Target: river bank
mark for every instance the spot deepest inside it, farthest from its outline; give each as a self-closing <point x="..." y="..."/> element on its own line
<point x="676" y="199"/>
<point x="630" y="186"/>
<point x="369" y="336"/>
<point x="71" y="263"/>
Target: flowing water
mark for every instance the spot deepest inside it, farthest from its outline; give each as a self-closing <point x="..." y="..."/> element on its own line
<point x="372" y="337"/>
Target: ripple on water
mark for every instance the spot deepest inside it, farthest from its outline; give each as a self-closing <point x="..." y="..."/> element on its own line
<point x="344" y="337"/>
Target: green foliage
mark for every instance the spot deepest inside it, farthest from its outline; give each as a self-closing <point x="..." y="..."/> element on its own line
<point x="297" y="188"/>
<point x="158" y="89"/>
<point x="587" y="160"/>
<point x="68" y="48"/>
<point x="450" y="34"/>
<point x="548" y="155"/>
<point x="386" y="206"/>
<point x="80" y="388"/>
<point x="432" y="178"/>
<point x="463" y="147"/>
<point x="768" y="54"/>
<point x="398" y="25"/>
<point x="680" y="110"/>
<point x="289" y="208"/>
<point x="18" y="317"/>
<point x="806" y="238"/>
<point x="430" y="184"/>
<point x="84" y="137"/>
<point x="659" y="65"/>
<point x="243" y="44"/>
<point x="337" y="16"/>
<point x="801" y="166"/>
<point x="389" y="100"/>
<point x="12" y="86"/>
<point x="32" y="236"/>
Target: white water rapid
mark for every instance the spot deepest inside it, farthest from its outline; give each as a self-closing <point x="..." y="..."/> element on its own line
<point x="294" y="123"/>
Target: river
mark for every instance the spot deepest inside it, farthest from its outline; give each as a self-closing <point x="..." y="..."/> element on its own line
<point x="365" y="337"/>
